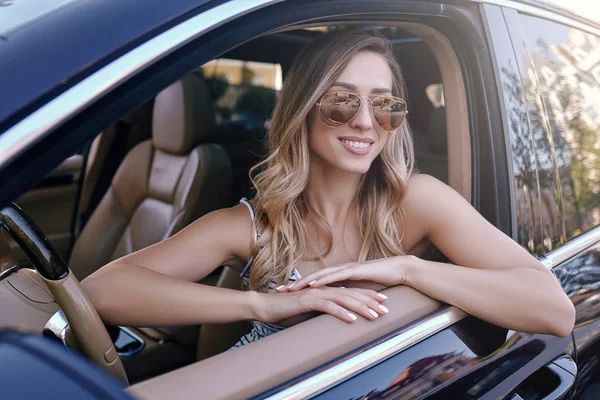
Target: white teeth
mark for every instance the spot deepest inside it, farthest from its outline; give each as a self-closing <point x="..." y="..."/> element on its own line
<point x="356" y="145"/>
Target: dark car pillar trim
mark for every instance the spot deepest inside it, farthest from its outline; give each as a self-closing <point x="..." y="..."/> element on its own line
<point x="548" y="12"/>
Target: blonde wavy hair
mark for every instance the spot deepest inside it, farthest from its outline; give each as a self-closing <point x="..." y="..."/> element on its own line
<point x="281" y="179"/>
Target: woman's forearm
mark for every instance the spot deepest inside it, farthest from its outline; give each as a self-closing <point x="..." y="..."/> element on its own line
<point x="521" y="298"/>
<point x="132" y="295"/>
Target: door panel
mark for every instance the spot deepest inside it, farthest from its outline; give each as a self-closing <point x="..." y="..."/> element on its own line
<point x="470" y="360"/>
<point x="580" y="278"/>
<point x="51" y="204"/>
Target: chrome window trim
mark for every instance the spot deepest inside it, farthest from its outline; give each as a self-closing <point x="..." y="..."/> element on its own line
<point x="545" y="12"/>
<point x="572" y="248"/>
<point x="345" y="370"/>
<point x="38" y="124"/>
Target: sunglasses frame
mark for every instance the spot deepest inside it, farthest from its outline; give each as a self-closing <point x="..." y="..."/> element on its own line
<point x="370" y="98"/>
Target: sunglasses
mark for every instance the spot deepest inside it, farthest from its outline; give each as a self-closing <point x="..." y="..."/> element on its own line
<point x="339" y="108"/>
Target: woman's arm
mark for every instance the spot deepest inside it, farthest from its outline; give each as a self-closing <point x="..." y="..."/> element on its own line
<point x="502" y="283"/>
<point x="156" y="286"/>
<point x="493" y="279"/>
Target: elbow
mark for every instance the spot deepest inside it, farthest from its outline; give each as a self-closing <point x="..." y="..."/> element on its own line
<point x="562" y="321"/>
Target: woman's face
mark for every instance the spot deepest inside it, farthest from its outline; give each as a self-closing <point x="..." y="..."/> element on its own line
<point x="352" y="147"/>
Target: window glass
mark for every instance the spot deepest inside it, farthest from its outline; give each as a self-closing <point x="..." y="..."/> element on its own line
<point x="565" y="66"/>
<point x="511" y="57"/>
<point x="245" y="91"/>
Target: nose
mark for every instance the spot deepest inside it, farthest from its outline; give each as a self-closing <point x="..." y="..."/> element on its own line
<point x="363" y="119"/>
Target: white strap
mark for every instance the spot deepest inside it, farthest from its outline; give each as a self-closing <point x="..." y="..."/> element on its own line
<point x="252" y="216"/>
<point x="243" y="200"/>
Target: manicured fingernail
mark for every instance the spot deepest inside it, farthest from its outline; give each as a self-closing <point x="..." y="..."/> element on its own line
<point x="383" y="296"/>
<point x="352" y="316"/>
<point x="384" y="309"/>
<point x="373" y="313"/>
<point x="292" y="285"/>
<point x="312" y="283"/>
<point x="280" y="287"/>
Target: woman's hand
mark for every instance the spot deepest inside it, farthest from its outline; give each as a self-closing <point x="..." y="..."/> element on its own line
<point x="386" y="272"/>
<point x="343" y="303"/>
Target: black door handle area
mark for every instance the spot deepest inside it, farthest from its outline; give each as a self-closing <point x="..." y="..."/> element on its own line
<point x="551" y="382"/>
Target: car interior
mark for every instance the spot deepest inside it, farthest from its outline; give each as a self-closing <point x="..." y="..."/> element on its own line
<point x="187" y="152"/>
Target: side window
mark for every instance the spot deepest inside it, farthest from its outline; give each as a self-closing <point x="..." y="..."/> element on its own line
<point x="566" y="69"/>
<point x="245" y="92"/>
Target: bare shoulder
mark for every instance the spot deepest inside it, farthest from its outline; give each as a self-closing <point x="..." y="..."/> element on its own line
<point x="234" y="217"/>
<point x="232" y="225"/>
<point x="426" y="200"/>
<point x="422" y="185"/>
<point x="426" y="194"/>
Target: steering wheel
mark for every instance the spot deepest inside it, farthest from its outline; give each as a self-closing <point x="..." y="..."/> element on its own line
<point x="85" y="323"/>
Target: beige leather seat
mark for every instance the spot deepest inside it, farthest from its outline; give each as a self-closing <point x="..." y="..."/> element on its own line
<point x="163" y="184"/>
<point x="217" y="338"/>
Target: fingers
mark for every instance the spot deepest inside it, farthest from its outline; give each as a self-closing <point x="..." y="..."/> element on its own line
<point x="343" y="303"/>
<point x="331" y="308"/>
<point x="318" y="276"/>
<point x="303" y="282"/>
<point x="370" y="299"/>
<point x="348" y="274"/>
<point x="379" y="297"/>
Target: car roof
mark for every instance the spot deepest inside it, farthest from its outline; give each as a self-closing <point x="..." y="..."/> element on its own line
<point x="18" y="14"/>
<point x="47" y="49"/>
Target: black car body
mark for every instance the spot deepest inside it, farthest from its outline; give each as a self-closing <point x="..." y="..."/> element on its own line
<point x="521" y="140"/>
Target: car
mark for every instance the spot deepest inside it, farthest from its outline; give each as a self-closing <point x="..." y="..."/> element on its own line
<point x="121" y="122"/>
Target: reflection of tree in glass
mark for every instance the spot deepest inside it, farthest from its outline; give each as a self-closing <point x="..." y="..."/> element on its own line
<point x="569" y="87"/>
<point x="580" y="279"/>
<point x="523" y="161"/>
<point x="550" y="199"/>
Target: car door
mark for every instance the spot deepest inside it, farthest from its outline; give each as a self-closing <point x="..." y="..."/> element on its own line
<point x="546" y="84"/>
<point x="561" y="81"/>
<point x="52" y="204"/>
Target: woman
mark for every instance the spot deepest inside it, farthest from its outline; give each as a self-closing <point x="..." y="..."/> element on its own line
<point x="337" y="202"/>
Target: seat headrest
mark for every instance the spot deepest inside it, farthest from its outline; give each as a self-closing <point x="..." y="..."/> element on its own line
<point x="184" y="113"/>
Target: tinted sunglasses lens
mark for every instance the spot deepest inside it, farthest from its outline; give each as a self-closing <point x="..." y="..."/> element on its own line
<point x="389" y="111"/>
<point x="338" y="108"/>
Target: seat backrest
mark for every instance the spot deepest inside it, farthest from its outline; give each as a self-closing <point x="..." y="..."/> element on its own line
<point x="163" y="184"/>
<point x="217" y="338"/>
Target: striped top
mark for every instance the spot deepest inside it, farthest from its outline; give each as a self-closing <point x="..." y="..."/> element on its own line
<point x="259" y="329"/>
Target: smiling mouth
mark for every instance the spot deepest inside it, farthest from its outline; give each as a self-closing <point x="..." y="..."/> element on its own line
<point x="356" y="144"/>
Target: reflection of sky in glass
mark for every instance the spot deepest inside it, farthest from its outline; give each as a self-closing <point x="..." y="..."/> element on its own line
<point x="19" y="12"/>
<point x="567" y="68"/>
<point x="588" y="8"/>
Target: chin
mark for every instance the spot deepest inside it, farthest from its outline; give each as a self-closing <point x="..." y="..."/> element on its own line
<point x="360" y="168"/>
